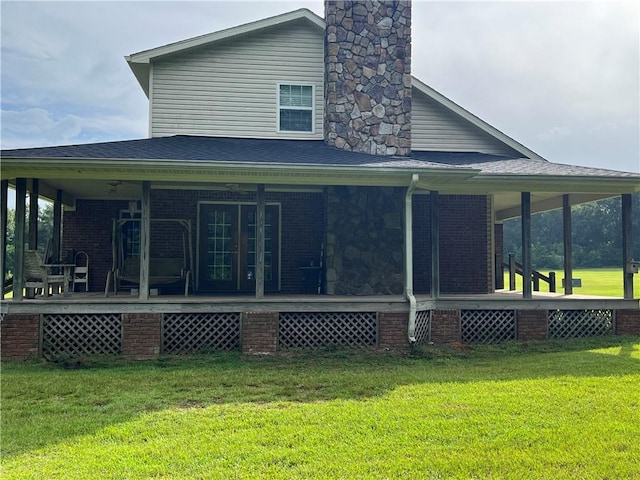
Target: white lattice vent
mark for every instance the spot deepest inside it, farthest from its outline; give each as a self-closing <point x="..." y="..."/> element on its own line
<point x="81" y="334"/>
<point x="318" y="330"/>
<point x="200" y="332"/>
<point x="423" y="327"/>
<point x="580" y="323"/>
<point x="487" y="326"/>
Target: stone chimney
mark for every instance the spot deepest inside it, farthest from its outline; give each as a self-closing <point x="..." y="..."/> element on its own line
<point x="368" y="76"/>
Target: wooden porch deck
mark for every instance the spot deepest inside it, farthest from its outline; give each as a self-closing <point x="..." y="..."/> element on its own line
<point x="96" y="302"/>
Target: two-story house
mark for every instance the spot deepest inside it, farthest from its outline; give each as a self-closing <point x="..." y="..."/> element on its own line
<point x="299" y="187"/>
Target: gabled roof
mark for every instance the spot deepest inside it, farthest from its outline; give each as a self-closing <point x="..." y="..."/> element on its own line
<point x="140" y="65"/>
<point x="471" y="118"/>
<point x="140" y="62"/>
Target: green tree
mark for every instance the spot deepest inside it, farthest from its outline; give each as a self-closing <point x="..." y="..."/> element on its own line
<point x="596" y="235"/>
<point x="45" y="232"/>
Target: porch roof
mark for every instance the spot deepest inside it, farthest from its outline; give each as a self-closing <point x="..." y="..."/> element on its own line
<point x="183" y="148"/>
<point x="75" y="169"/>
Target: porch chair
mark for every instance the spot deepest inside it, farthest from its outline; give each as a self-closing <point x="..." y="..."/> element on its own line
<point x="81" y="270"/>
<point x="37" y="275"/>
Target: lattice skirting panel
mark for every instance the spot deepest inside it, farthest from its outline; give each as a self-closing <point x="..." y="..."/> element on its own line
<point x="200" y="332"/>
<point x="487" y="326"/>
<point x="318" y="330"/>
<point x="82" y="334"/>
<point x="423" y="327"/>
<point x="580" y="323"/>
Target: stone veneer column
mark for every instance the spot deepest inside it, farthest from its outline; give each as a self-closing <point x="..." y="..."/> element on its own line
<point x="368" y="76"/>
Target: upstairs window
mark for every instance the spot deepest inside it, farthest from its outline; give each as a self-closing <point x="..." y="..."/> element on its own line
<point x="295" y="108"/>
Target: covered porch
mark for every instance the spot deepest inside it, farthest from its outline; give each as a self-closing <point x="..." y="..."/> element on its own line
<point x="406" y="247"/>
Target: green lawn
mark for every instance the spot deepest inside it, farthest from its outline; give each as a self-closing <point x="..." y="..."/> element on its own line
<point x="595" y="281"/>
<point x="559" y="410"/>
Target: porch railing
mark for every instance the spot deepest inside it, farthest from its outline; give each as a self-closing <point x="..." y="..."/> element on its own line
<point x="515" y="268"/>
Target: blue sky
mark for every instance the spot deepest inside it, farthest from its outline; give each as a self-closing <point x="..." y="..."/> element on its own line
<point x="560" y="77"/>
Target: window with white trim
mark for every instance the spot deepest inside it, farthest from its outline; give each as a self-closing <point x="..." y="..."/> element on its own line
<point x="295" y="108"/>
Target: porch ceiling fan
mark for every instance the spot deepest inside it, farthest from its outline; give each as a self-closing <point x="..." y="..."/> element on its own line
<point x="112" y="187"/>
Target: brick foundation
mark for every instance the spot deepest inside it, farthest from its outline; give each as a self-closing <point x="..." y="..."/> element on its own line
<point x="532" y="324"/>
<point x="627" y="322"/>
<point x="259" y="332"/>
<point x="393" y="330"/>
<point x="19" y="336"/>
<point x="445" y="326"/>
<point x="141" y="335"/>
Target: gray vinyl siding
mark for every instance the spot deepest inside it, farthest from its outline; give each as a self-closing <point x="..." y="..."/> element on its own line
<point x="231" y="90"/>
<point x="433" y="127"/>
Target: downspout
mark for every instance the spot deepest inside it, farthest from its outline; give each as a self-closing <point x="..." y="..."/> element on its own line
<point x="408" y="257"/>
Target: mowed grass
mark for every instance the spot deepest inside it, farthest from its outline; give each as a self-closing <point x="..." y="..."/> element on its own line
<point x="596" y="281"/>
<point x="561" y="410"/>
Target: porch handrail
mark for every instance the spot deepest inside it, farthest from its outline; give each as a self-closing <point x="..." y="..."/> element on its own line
<point x="7" y="286"/>
<point x="516" y="268"/>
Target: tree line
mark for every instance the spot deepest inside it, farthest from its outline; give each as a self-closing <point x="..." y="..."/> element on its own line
<point x="596" y="235"/>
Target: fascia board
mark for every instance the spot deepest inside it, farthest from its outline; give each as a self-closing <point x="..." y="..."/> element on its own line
<point x="147" y="56"/>
<point x="471" y="118"/>
<point x="140" y="62"/>
<point x="547" y="183"/>
<point x="136" y="169"/>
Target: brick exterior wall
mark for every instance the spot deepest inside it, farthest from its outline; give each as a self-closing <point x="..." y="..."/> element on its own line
<point x="445" y="326"/>
<point x="19" y="336"/>
<point x="393" y="330"/>
<point x="141" y="335"/>
<point x="532" y="324"/>
<point x="89" y="227"/>
<point x="465" y="245"/>
<point x="259" y="333"/>
<point x="627" y="322"/>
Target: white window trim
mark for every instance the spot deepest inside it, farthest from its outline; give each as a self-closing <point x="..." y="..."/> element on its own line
<point x="313" y="108"/>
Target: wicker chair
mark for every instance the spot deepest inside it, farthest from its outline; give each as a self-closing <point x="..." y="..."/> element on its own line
<point x="37" y="275"/>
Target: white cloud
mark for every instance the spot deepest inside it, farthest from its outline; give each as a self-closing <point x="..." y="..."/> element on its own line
<point x="554" y="133"/>
<point x="524" y="67"/>
<point x="36" y="127"/>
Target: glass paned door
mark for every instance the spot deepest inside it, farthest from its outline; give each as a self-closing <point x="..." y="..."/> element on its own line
<point x="218" y="247"/>
<point x="227" y="252"/>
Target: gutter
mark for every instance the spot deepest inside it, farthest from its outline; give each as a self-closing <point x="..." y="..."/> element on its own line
<point x="408" y="257"/>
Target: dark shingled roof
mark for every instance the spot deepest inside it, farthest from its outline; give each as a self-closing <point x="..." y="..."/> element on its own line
<point x="300" y="152"/>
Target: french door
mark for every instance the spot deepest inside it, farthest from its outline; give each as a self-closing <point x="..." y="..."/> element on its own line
<point x="227" y="247"/>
